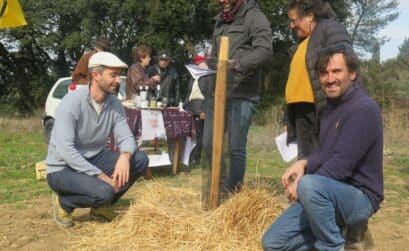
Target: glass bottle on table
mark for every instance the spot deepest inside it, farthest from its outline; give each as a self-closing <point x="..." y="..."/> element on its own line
<point x="136" y="99"/>
<point x="143" y="91"/>
<point x="152" y="99"/>
<point x="144" y="94"/>
<point x="165" y="101"/>
<point x="158" y="96"/>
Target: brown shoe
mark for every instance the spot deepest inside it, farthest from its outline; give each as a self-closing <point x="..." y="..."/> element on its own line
<point x="61" y="217"/>
<point x="106" y="213"/>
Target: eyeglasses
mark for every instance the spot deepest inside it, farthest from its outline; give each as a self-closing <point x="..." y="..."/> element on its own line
<point x="294" y="21"/>
<point x="164" y="59"/>
<point x="332" y="49"/>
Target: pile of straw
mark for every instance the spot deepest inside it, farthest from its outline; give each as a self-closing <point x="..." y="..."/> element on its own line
<point x="168" y="218"/>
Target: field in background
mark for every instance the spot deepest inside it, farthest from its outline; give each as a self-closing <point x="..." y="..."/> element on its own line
<point x="22" y="145"/>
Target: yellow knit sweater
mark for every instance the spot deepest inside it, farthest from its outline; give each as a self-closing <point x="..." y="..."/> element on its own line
<point x="298" y="87"/>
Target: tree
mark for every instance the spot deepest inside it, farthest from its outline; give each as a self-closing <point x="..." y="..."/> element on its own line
<point x="376" y="53"/>
<point x="404" y="50"/>
<point x="367" y="18"/>
<point x="24" y="64"/>
<point x="60" y="31"/>
<point x="389" y="80"/>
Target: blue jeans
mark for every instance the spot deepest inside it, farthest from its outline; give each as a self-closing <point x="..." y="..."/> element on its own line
<point x="238" y="120"/>
<point x="79" y="190"/>
<point x="325" y="207"/>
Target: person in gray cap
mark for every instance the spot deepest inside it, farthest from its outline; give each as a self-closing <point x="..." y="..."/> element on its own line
<point x="80" y="74"/>
<point x="81" y="172"/>
<point x="169" y="78"/>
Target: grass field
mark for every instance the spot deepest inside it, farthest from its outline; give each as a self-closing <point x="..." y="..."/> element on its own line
<point x="22" y="145"/>
<point x="20" y="148"/>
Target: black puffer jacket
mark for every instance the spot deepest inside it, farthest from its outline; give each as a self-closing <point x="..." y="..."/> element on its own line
<point x="169" y="83"/>
<point x="251" y="44"/>
<point x="327" y="32"/>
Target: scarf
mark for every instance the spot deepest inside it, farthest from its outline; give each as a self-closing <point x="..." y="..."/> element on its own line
<point x="229" y="16"/>
<point x="196" y="94"/>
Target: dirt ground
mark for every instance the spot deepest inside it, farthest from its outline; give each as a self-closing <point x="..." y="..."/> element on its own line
<point x="30" y="227"/>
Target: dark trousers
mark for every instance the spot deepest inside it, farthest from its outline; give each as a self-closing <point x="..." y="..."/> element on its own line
<point x="196" y="153"/>
<point x="79" y="190"/>
<point x="303" y="127"/>
<point x="238" y="118"/>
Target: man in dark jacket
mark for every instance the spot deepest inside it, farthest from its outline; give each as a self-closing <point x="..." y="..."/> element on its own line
<point x="250" y="47"/>
<point x="312" y="21"/>
<point x="341" y="185"/>
<point x="169" y="79"/>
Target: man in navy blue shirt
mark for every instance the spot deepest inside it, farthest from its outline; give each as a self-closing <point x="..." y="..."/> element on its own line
<point x="341" y="185"/>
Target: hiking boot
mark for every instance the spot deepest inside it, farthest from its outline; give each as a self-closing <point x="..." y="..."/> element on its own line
<point x="61" y="217"/>
<point x="358" y="238"/>
<point x="105" y="213"/>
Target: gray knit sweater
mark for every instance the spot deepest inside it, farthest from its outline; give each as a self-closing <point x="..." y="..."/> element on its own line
<point x="79" y="133"/>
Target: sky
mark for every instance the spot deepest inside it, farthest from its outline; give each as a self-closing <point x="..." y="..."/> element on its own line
<point x="397" y="31"/>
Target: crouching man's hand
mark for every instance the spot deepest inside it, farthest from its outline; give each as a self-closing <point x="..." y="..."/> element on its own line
<point x="291" y="177"/>
<point x="121" y="172"/>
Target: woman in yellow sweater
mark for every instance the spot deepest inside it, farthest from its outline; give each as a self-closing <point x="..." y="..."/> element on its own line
<point x="314" y="25"/>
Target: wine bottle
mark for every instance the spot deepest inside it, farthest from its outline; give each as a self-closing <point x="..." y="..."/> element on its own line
<point x="152" y="99"/>
<point x="143" y="92"/>
<point x="158" y="96"/>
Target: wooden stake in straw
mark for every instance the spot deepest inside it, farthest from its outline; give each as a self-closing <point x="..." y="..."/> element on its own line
<point x="218" y="119"/>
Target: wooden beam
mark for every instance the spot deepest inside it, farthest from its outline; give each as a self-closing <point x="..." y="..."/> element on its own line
<point x="218" y="120"/>
<point x="176" y="156"/>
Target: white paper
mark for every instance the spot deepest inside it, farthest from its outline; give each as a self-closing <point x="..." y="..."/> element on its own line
<point x="289" y="152"/>
<point x="197" y="71"/>
<point x="152" y="125"/>
<point x="159" y="159"/>
<point x="190" y="143"/>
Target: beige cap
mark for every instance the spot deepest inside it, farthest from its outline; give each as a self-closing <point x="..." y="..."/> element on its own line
<point x="107" y="59"/>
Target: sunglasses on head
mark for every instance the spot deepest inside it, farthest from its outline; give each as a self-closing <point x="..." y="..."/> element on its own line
<point x="332" y="49"/>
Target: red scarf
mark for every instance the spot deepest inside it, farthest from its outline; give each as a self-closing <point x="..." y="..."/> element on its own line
<point x="229" y="16"/>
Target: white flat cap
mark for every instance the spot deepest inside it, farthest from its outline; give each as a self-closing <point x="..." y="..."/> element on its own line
<point x="107" y="59"/>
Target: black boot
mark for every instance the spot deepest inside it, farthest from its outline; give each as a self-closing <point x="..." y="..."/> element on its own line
<point x="358" y="237"/>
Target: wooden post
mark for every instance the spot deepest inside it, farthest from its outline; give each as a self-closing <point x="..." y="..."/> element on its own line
<point x="148" y="173"/>
<point x="176" y="156"/>
<point x="218" y="120"/>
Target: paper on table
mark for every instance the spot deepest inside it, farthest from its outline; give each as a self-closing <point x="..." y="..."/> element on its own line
<point x="289" y="152"/>
<point x="161" y="159"/>
<point x="153" y="140"/>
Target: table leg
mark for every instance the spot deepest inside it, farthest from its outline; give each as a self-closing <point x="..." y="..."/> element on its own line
<point x="176" y="156"/>
<point x="148" y="173"/>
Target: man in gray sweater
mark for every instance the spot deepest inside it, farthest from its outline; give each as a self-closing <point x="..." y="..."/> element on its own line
<point x="80" y="170"/>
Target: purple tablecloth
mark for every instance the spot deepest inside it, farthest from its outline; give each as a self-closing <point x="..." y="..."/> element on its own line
<point x="178" y="124"/>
